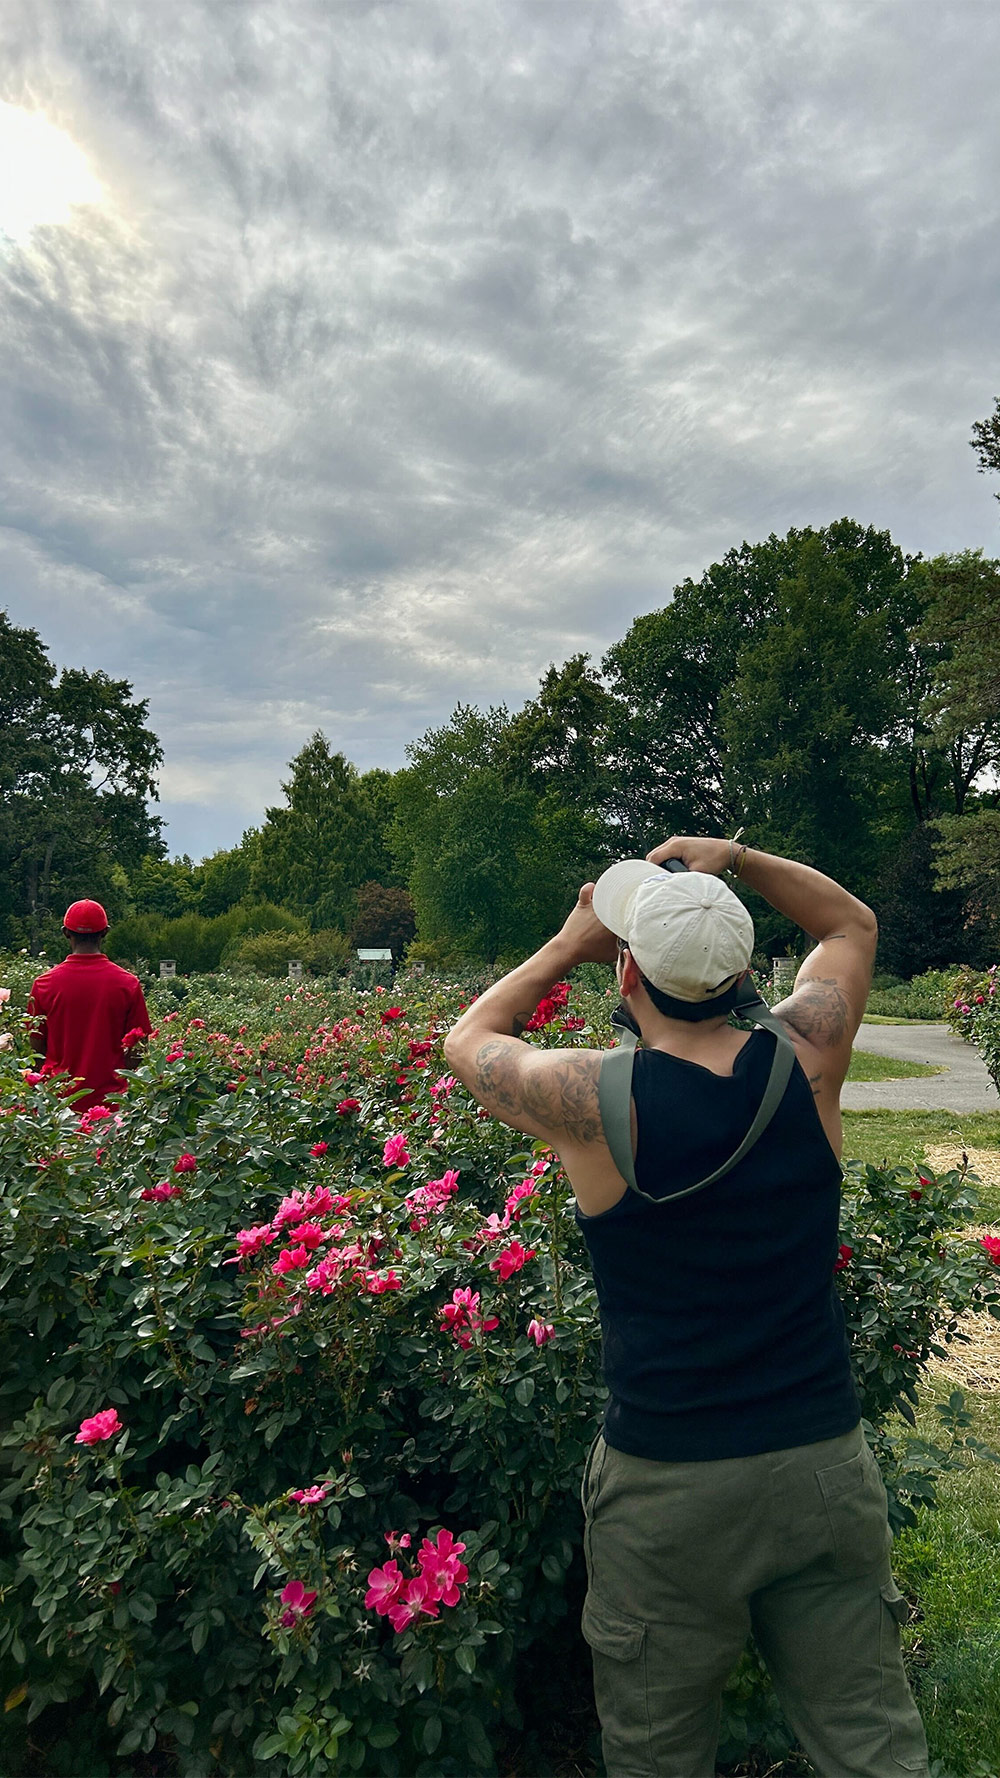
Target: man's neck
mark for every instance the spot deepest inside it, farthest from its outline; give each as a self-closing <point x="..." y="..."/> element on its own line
<point x="690" y="1039"/>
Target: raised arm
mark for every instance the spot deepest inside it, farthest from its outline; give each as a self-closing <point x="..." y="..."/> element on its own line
<point x="551" y="1094"/>
<point x="831" y="988"/>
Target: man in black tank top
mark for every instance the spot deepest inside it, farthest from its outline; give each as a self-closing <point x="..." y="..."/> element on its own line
<point x="731" y="1490"/>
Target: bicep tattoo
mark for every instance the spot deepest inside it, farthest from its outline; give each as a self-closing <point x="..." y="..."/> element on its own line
<point x="560" y="1096"/>
<point x="818" y="1012"/>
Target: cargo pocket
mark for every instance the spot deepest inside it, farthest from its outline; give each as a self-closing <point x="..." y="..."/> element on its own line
<point x="907" y="1741"/>
<point x="618" y="1645"/>
<point x="896" y="1603"/>
<point x="856" y="1509"/>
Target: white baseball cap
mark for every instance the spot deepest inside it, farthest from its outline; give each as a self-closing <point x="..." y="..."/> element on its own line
<point x="689" y="934"/>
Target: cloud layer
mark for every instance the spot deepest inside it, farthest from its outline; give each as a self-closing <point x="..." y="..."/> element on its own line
<point x="416" y="346"/>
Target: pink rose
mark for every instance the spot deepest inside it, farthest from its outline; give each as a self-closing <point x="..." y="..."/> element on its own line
<point x="99" y="1427"/>
<point x="347" y="1105"/>
<point x="251" y="1240"/>
<point x="384" y="1587"/>
<point x="185" y="1163"/>
<point x="291" y="1259"/>
<point x="395" y="1152"/>
<point x="511" y="1260"/>
<point x="298" y="1604"/>
<point x="416" y="1598"/>
<point x="319" y="1149"/>
<point x="541" y="1331"/>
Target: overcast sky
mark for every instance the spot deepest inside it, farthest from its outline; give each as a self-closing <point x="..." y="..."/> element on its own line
<point x="403" y="349"/>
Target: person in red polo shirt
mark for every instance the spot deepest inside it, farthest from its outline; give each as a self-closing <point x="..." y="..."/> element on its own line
<point x="85" y="1010"/>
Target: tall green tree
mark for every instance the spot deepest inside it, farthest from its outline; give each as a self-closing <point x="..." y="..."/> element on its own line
<point x="77" y="768"/>
<point x="960" y="631"/>
<point x="770" y="693"/>
<point x="314" y="854"/>
<point x="472" y="844"/>
<point x="557" y="747"/>
<point x="226" y="875"/>
<point x="960" y="634"/>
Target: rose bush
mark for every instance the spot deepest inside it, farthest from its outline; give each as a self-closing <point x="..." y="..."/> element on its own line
<point x="301" y="1364"/>
<point x="974" y="1012"/>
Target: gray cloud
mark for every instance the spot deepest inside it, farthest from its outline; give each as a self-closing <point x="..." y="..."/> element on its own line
<point x="417" y="346"/>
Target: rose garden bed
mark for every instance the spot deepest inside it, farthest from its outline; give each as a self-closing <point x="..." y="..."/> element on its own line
<point x="301" y="1364"/>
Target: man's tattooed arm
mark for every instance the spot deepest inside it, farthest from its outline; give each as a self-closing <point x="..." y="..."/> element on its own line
<point x="818" y="1011"/>
<point x="548" y="1093"/>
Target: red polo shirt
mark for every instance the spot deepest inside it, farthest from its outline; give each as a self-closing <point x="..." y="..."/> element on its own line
<point x="84" y="1007"/>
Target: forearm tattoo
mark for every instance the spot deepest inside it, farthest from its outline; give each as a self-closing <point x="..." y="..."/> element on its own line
<point x="563" y="1097"/>
<point x="818" y="1011"/>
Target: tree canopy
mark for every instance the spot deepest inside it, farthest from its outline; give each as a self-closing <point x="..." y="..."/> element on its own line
<point x="77" y="767"/>
<point x="836" y="698"/>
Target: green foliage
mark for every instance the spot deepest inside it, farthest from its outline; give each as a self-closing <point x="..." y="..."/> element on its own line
<point x="269" y="953"/>
<point x="313" y="854"/>
<point x="384" y="919"/>
<point x="768" y="692"/>
<point x="927" y="996"/>
<point x="77" y="763"/>
<point x="974" y="1012"/>
<point x="194" y="942"/>
<point x="961" y="596"/>
<point x="473" y="843"/>
<point x="948" y="1562"/>
<point x="142" y="1575"/>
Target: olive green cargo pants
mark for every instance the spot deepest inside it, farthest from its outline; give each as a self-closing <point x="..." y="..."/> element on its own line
<point x="686" y="1559"/>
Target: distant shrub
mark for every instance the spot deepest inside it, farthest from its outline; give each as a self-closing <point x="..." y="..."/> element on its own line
<point x="927" y="996"/>
<point x="321" y="953"/>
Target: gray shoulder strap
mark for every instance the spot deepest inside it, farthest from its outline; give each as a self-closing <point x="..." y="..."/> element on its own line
<point x="614" y="1099"/>
<point x="614" y="1091"/>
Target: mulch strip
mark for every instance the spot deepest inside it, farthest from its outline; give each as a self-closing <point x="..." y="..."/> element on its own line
<point x="973" y="1362"/>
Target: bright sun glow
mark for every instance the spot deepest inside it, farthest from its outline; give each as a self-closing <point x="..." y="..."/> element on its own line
<point x="43" y="174"/>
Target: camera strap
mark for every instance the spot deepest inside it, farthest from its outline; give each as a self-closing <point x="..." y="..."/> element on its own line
<point x="614" y="1093"/>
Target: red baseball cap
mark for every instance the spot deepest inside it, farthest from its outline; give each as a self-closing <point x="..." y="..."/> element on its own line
<point x="85" y="916"/>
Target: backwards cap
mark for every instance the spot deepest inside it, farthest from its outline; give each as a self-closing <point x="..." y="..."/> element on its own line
<point x="689" y="934"/>
<point x="85" y="917"/>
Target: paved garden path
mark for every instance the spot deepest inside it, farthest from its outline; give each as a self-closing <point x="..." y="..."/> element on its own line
<point x="965" y="1086"/>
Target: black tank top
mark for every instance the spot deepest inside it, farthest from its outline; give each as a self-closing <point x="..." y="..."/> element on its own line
<point x="723" y="1332"/>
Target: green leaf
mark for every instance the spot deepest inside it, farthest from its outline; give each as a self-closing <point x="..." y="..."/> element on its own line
<point x="430" y="1734"/>
<point x="465" y="1657"/>
<point x="524" y="1389"/>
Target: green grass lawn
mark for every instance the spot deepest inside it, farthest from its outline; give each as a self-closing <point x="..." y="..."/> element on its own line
<point x="948" y="1562"/>
<point x="865" y="1065"/>
<point x="877" y="1018"/>
<point x="901" y="1138"/>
